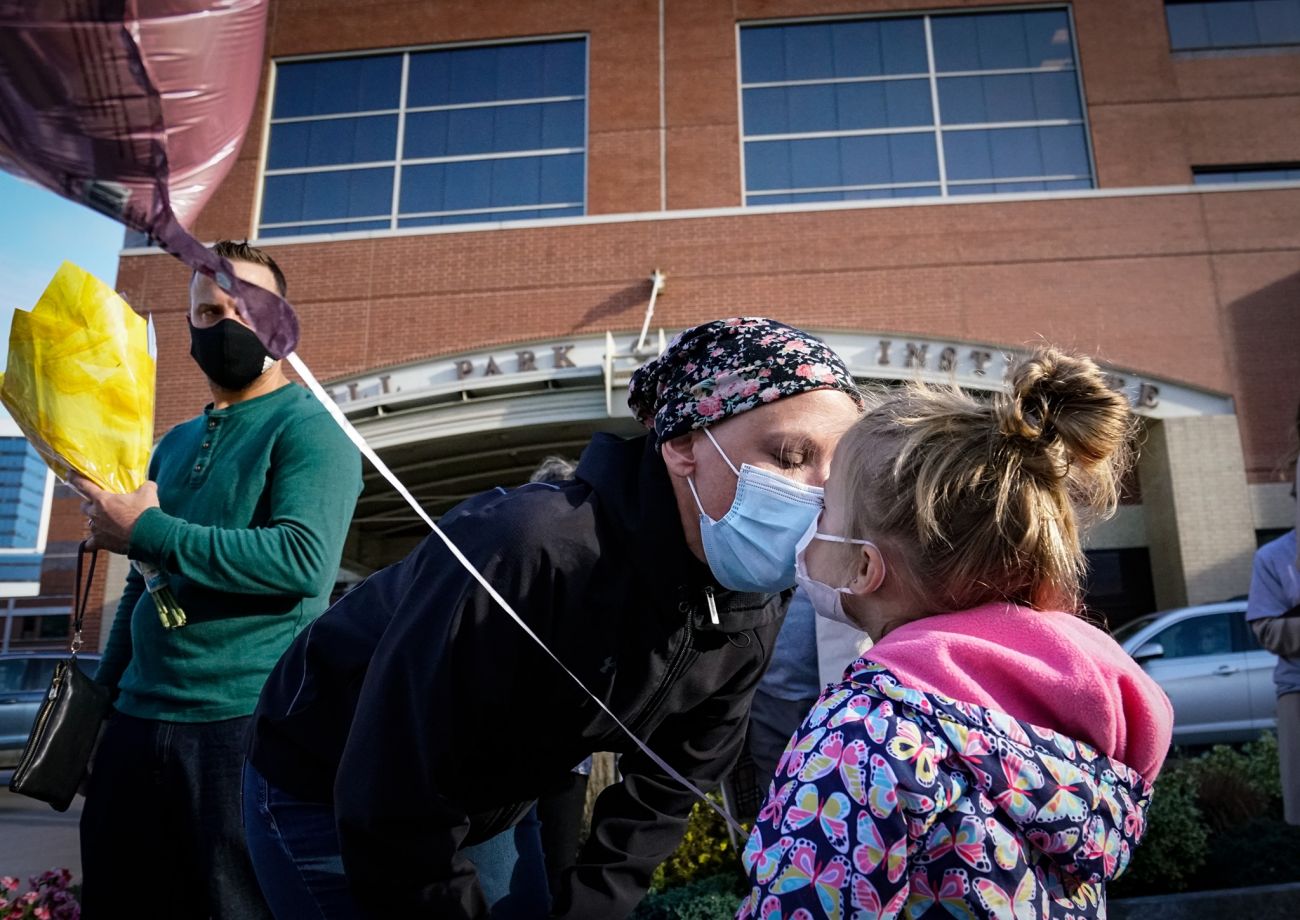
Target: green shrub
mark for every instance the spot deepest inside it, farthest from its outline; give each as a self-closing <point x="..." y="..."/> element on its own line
<point x="1236" y="786"/>
<point x="714" y="898"/>
<point x="1264" y="769"/>
<point x="1226" y="793"/>
<point x="1215" y="822"/>
<point x="1175" y="845"/>
<point x="705" y="851"/>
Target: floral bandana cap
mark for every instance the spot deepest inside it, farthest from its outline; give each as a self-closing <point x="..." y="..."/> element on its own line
<point x="720" y="369"/>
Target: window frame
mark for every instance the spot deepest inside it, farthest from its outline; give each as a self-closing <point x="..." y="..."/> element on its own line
<point x="936" y="128"/>
<point x="308" y="228"/>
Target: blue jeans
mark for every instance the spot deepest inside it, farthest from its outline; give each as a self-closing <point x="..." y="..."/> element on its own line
<point x="295" y="850"/>
<point x="162" y="816"/>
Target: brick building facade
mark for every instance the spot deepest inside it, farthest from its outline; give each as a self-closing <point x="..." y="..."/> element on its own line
<point x="1169" y="248"/>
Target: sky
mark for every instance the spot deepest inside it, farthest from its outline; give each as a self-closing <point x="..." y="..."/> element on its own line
<point x="38" y="231"/>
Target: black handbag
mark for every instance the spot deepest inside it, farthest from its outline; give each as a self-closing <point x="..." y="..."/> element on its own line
<point x="57" y="752"/>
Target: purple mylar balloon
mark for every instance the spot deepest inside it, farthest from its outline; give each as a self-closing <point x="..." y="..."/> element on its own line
<point x="137" y="108"/>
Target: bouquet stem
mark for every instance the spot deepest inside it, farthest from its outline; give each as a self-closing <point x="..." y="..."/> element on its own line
<point x="169" y="611"/>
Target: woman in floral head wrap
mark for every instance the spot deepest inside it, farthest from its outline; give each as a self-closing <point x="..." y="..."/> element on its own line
<point x="749" y="481"/>
<point x="415" y="721"/>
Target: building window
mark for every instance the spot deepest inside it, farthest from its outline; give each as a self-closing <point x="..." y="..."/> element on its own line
<point x="426" y="138"/>
<point x="23" y="505"/>
<point x="1220" y="25"/>
<point x="936" y="105"/>
<point x="1224" y="175"/>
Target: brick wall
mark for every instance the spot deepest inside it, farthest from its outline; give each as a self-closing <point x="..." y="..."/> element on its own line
<point x="1197" y="288"/>
<point x="58" y="566"/>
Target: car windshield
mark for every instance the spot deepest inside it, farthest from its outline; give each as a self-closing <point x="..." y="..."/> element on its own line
<point x="1132" y="626"/>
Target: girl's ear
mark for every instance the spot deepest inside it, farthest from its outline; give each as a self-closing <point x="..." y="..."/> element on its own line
<point x="868" y="570"/>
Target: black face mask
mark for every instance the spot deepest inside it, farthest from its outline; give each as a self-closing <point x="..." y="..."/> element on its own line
<point x="229" y="353"/>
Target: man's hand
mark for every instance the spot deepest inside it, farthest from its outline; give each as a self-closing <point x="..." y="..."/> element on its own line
<point x="112" y="516"/>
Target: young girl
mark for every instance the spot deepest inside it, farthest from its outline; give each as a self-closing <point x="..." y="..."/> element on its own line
<point x="992" y="755"/>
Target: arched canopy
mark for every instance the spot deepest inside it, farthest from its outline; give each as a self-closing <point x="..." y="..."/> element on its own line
<point x="456" y="425"/>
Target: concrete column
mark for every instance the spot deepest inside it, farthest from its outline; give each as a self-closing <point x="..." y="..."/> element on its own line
<point x="1199" y="519"/>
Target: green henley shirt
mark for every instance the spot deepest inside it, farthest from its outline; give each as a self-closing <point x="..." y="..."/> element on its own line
<point x="255" y="501"/>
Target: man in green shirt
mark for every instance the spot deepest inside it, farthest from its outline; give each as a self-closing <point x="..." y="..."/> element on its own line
<point x="245" y="515"/>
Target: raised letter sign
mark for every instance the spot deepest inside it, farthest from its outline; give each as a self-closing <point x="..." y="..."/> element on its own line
<point x="915" y="355"/>
<point x="463" y="368"/>
<point x="883" y="357"/>
<point x="560" y="354"/>
<point x="527" y="361"/>
<point x="491" y="368"/>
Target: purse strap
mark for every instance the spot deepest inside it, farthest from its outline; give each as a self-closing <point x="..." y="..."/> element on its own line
<point x="81" y="594"/>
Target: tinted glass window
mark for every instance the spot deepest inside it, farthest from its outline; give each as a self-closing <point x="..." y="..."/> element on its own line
<point x="1229" y="24"/>
<point x="844" y="110"/>
<point x="1204" y="635"/>
<point x="1132" y="627"/>
<point x="1000" y="41"/>
<point x="357" y="84"/>
<point x="40" y="672"/>
<point x="22" y="505"/>
<point x="486" y="133"/>
<point x="1216" y="176"/>
<point x="12" y="673"/>
<point x="1246" y="641"/>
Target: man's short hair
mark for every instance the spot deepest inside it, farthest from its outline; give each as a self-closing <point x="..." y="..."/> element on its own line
<point x="233" y="251"/>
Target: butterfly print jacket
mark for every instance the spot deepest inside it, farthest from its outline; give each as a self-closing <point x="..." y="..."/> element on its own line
<point x="431" y="721"/>
<point x="894" y="803"/>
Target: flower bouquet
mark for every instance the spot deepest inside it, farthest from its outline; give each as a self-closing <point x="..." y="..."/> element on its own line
<point x="80" y="385"/>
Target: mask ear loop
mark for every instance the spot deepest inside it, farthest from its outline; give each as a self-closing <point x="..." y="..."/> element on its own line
<point x="718" y="446"/>
<point x="690" y="480"/>
<point x="831" y="538"/>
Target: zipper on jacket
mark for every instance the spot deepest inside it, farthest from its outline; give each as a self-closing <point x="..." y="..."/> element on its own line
<point x="713" y="607"/>
<point x="675" y="667"/>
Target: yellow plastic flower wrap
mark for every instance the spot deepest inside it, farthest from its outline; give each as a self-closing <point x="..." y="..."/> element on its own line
<point x="80" y="384"/>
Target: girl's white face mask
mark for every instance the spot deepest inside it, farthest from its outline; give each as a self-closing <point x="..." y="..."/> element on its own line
<point x="827" y="601"/>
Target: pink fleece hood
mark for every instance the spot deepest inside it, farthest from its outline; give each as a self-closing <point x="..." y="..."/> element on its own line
<point x="1047" y="668"/>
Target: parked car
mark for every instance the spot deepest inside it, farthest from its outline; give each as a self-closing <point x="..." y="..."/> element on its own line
<point x="24" y="681"/>
<point x="1208" y="662"/>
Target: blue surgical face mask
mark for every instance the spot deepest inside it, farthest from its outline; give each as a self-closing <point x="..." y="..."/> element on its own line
<point x="752" y="548"/>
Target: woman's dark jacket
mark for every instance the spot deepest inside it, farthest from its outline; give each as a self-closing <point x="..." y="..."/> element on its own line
<point x="424" y="712"/>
